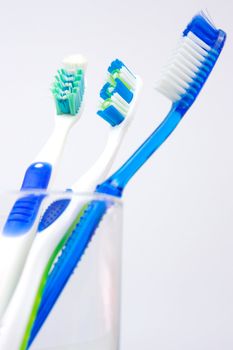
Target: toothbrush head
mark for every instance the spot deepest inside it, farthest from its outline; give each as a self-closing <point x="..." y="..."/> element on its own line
<point x="192" y="61"/>
<point x="68" y="87"/>
<point x="118" y="94"/>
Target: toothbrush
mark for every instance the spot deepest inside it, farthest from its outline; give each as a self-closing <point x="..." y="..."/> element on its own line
<point x="20" y="227"/>
<point x="119" y="96"/>
<point x="192" y="63"/>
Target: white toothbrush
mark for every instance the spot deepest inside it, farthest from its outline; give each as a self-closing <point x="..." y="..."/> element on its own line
<point x="20" y="228"/>
<point x="121" y="84"/>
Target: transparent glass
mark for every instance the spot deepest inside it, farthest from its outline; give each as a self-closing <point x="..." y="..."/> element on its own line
<point x="87" y="313"/>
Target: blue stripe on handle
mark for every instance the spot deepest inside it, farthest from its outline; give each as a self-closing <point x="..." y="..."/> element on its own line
<point x="24" y="212"/>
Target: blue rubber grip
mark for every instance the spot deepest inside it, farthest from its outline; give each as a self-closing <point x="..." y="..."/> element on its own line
<point x="37" y="177"/>
<point x="25" y="209"/>
<point x="69" y="259"/>
<point x="52" y="213"/>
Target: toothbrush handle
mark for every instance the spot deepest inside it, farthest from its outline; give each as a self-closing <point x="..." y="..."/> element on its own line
<point x="22" y="301"/>
<point x="13" y="251"/>
<point x="117" y="182"/>
<point x="18" y="232"/>
<point x="74" y="250"/>
<point x="100" y="169"/>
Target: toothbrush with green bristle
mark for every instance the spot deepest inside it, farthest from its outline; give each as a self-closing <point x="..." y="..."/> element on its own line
<point x="22" y="222"/>
<point x="119" y="97"/>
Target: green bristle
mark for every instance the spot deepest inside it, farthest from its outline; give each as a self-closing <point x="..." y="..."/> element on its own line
<point x="116" y="75"/>
<point x="111" y="80"/>
<point x="68" y="90"/>
<point x="105" y="104"/>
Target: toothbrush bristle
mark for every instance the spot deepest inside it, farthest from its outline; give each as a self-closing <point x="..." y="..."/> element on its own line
<point x="117" y="93"/>
<point x="68" y="90"/>
<point x="74" y="62"/>
<point x="192" y="61"/>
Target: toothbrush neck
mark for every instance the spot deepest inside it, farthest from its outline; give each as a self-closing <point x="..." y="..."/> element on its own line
<point x="52" y="149"/>
<point x="117" y="182"/>
<point x="98" y="172"/>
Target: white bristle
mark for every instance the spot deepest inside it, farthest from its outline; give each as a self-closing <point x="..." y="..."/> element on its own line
<point x="120" y="103"/>
<point x="178" y="80"/>
<point x="194" y="52"/>
<point x="128" y="77"/>
<point x="170" y="93"/>
<point x="190" y="46"/>
<point x="205" y="13"/>
<point x="194" y="45"/>
<point x="74" y="62"/>
<point x="187" y="60"/>
<point x="182" y="73"/>
<point x="198" y="41"/>
<point x="168" y="81"/>
<point x="189" y="56"/>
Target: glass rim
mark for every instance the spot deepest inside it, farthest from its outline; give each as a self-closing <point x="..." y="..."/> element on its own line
<point x="62" y="194"/>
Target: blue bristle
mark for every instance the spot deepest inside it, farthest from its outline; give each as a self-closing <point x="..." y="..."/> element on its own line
<point x="63" y="105"/>
<point x="111" y="115"/>
<point x="117" y="64"/>
<point x="104" y="93"/>
<point x="123" y="91"/>
<point x="202" y="28"/>
<point x="118" y="90"/>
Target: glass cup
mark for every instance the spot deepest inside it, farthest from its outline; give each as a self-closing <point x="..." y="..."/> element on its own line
<point x="87" y="314"/>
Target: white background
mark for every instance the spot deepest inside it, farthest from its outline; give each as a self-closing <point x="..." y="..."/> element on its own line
<point x="178" y="242"/>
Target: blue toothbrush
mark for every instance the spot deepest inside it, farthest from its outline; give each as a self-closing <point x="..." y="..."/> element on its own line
<point x="194" y="60"/>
